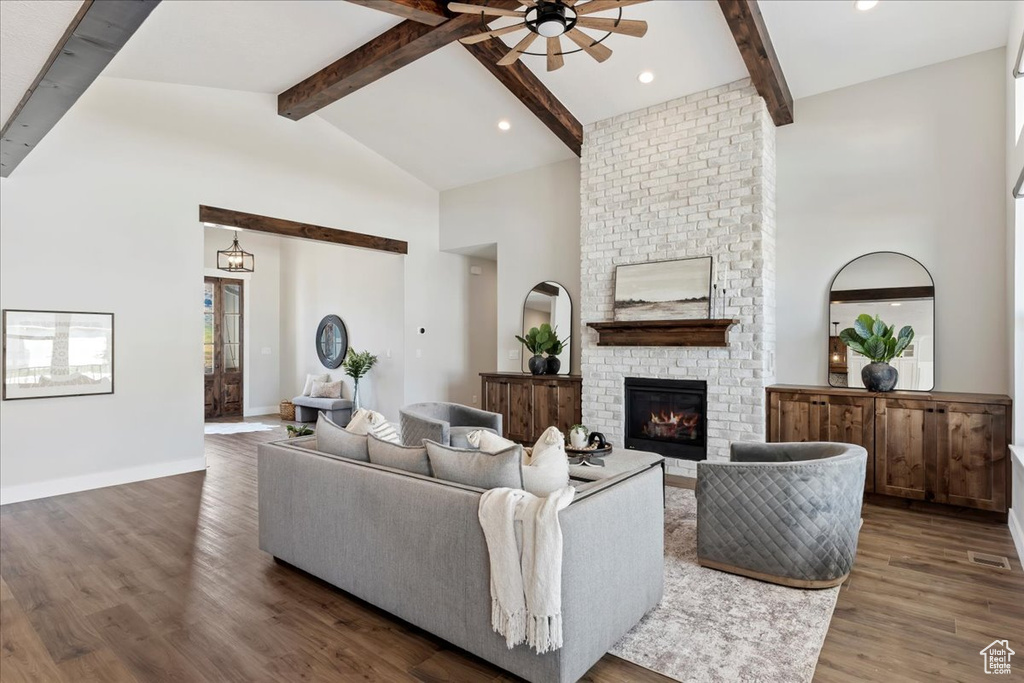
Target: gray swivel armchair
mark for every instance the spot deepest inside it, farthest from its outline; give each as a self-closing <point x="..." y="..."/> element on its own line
<point x="788" y="513"/>
<point x="445" y="423"/>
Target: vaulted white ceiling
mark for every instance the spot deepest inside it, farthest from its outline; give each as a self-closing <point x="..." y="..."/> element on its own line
<point x="437" y="117"/>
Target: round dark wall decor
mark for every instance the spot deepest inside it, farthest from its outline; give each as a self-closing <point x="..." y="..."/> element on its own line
<point x="331" y="341"/>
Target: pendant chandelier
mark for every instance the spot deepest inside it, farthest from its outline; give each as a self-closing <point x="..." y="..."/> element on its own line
<point x="234" y="259"/>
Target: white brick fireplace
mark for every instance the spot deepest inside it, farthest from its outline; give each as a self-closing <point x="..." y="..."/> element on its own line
<point x="690" y="177"/>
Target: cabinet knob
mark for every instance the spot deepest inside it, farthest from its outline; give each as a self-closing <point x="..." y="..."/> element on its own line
<point x="931" y="410"/>
<point x="942" y="410"/>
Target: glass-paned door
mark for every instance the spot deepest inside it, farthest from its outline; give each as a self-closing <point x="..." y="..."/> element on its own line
<point x="223" y="325"/>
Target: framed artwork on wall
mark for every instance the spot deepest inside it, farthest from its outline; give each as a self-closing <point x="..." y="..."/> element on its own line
<point x="664" y="290"/>
<point x="47" y="354"/>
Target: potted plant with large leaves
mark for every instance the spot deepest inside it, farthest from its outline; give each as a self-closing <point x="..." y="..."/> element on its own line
<point x="554" y="363"/>
<point x="538" y="341"/>
<point x="876" y="341"/>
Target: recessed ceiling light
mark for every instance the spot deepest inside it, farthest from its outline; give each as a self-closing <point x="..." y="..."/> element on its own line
<point x="895" y="304"/>
<point x="865" y="5"/>
<point x="504" y="125"/>
<point x="645" y="77"/>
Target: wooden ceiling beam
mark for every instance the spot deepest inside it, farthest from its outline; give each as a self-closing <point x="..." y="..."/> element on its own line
<point x="285" y="228"/>
<point x="383" y="55"/>
<point x="751" y="36"/>
<point x="94" y="36"/>
<point x="522" y="83"/>
<point x="429" y="12"/>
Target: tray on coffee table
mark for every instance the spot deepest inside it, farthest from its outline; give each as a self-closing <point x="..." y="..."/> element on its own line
<point x="587" y="457"/>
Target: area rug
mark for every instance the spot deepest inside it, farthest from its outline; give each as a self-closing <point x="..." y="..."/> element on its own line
<point x="236" y="427"/>
<point x="713" y="626"/>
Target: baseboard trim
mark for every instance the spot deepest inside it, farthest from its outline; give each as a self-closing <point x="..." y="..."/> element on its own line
<point x="99" y="480"/>
<point x="265" y="410"/>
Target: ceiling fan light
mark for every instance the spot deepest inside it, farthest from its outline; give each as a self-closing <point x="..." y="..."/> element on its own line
<point x="551" y="27"/>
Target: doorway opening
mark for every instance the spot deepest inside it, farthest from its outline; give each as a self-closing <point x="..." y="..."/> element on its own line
<point x="223" y="339"/>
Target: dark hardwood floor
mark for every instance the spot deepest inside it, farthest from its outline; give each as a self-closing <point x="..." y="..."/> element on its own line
<point x="163" y="581"/>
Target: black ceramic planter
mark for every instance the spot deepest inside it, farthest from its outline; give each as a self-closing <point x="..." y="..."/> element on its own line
<point x="879" y="377"/>
<point x="553" y="365"/>
<point x="538" y="365"/>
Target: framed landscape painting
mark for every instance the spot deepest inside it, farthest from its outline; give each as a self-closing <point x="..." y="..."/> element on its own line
<point x="664" y="290"/>
<point x="57" y="353"/>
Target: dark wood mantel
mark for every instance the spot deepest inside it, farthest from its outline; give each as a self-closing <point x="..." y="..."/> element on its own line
<point x="709" y="332"/>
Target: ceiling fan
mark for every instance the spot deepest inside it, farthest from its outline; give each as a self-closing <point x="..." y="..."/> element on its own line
<point x="551" y="19"/>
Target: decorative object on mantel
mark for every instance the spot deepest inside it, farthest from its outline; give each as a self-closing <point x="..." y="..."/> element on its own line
<point x="659" y="290"/>
<point x="708" y="332"/>
<point x="873" y="339"/>
<point x="550" y="19"/>
<point x="234" y="259"/>
<point x="356" y="366"/>
<point x="57" y="353"/>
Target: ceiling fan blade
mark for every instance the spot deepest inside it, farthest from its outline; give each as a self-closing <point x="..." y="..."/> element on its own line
<point x="521" y="47"/>
<point x="627" y="27"/>
<point x="595" y="50"/>
<point x="555" y="59"/>
<point x="480" y="37"/>
<point x="602" y="5"/>
<point x="482" y="9"/>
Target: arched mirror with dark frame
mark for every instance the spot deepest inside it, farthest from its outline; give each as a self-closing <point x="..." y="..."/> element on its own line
<point x="331" y="341"/>
<point x="899" y="290"/>
<point x="549" y="302"/>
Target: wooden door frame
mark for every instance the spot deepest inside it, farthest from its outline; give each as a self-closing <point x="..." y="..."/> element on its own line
<point x="218" y="347"/>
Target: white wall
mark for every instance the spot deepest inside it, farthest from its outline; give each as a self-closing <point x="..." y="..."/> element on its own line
<point x="364" y="288"/>
<point x="481" y="331"/>
<point x="102" y="216"/>
<point x="534" y="218"/>
<point x="910" y="163"/>
<point x="261" y="381"/>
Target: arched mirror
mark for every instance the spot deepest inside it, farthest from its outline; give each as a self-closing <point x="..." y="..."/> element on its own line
<point x="898" y="290"/>
<point x="331" y="341"/>
<point x="549" y="303"/>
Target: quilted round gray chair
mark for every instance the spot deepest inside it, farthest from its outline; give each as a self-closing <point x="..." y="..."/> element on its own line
<point x="788" y="513"/>
<point x="444" y="423"/>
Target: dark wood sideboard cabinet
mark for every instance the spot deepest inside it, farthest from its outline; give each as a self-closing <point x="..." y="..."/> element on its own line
<point x="932" y="447"/>
<point x="529" y="404"/>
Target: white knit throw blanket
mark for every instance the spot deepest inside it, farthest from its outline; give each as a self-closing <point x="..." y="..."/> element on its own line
<point x="526" y="587"/>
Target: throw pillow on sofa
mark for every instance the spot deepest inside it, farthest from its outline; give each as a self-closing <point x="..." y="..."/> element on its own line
<point x="370" y="422"/>
<point x="545" y="467"/>
<point x="340" y="442"/>
<point x="307" y="388"/>
<point x="389" y="454"/>
<point x="476" y="468"/>
<point x="326" y="389"/>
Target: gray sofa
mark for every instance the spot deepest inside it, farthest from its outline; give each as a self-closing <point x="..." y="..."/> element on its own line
<point x="412" y="545"/>
<point x="337" y="410"/>
<point x="788" y="513"/>
<point x="444" y="423"/>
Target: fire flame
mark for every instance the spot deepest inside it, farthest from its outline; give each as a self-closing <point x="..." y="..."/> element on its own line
<point x="672" y="418"/>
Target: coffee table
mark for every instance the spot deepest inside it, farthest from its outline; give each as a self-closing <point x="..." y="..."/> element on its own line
<point x="617" y="462"/>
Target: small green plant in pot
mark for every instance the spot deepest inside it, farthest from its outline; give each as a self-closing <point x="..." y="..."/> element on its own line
<point x="578" y="436"/>
<point x="357" y="365"/>
<point x="554" y="363"/>
<point x="873" y="339"/>
<point x="538" y="341"/>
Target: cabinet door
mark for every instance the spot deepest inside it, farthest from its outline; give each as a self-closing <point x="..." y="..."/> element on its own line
<point x="520" y="411"/>
<point x="495" y="393"/>
<point x="971" y="455"/>
<point x="555" y="404"/>
<point x="850" y="419"/>
<point x="794" y="417"/>
<point x="905" y="443"/>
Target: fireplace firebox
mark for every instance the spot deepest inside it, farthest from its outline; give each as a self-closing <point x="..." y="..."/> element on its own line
<point x="667" y="416"/>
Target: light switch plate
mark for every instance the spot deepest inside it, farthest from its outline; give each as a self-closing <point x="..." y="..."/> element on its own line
<point x="513" y="354"/>
<point x="266" y="351"/>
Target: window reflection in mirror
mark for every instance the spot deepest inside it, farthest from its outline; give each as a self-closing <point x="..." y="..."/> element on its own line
<point x="900" y="291"/>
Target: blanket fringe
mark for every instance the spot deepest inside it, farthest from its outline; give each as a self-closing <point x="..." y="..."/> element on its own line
<point x="510" y="625"/>
<point x="545" y="633"/>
